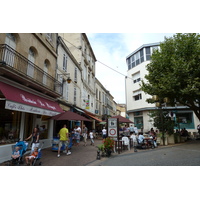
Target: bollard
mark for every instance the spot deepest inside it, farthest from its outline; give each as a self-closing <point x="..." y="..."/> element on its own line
<point x="98" y="155"/>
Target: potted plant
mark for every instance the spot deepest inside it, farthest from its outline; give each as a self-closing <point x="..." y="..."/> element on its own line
<point x="102" y="149"/>
<point x="108" y="145"/>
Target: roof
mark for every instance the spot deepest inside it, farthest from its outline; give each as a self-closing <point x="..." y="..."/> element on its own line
<point x="143" y="46"/>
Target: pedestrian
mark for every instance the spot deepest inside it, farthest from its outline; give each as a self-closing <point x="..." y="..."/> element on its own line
<point x="131" y="129"/>
<point x="141" y="138"/>
<point x="154" y="139"/>
<point x="133" y="136"/>
<point x="77" y="135"/>
<point x="91" y="137"/>
<point x="198" y="128"/>
<point x="135" y="129"/>
<point x="64" y="138"/>
<point x="35" y="141"/>
<point x="85" y="134"/>
<point x="104" y="133"/>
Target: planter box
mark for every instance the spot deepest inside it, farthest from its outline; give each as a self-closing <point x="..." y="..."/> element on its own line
<point x="183" y="139"/>
<point x="166" y="141"/>
<point x="171" y="139"/>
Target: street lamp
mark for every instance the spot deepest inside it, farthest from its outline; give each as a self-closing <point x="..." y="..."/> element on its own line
<point x="69" y="80"/>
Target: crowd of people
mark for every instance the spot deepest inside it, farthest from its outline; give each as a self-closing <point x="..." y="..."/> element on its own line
<point x="73" y="138"/>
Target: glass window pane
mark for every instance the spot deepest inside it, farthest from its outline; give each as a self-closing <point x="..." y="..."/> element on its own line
<point x="148" y="50"/>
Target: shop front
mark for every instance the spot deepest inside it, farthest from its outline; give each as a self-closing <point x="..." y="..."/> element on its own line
<point x="21" y="111"/>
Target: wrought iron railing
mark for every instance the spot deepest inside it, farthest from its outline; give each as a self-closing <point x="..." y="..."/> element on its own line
<point x="15" y="61"/>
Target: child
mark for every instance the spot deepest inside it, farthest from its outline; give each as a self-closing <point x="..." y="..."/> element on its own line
<point x="32" y="156"/>
<point x="16" y="153"/>
<point x="91" y="138"/>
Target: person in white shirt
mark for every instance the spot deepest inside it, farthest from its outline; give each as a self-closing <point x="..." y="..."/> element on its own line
<point x="91" y="137"/>
<point x="135" y="129"/>
<point x="133" y="137"/>
<point x="77" y="135"/>
<point x="141" y="138"/>
<point x="131" y="129"/>
<point x="104" y="133"/>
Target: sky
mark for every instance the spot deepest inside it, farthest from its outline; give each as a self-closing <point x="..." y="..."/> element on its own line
<point x="111" y="49"/>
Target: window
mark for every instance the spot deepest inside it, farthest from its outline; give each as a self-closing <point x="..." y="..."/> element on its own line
<point x="141" y="56"/>
<point x="148" y="53"/>
<point x="66" y="91"/>
<point x="133" y="61"/>
<point x="9" y="125"/>
<point x="75" y="75"/>
<point x="31" y="58"/>
<point x="85" y="72"/>
<point x="9" y="55"/>
<point x="136" y="77"/>
<point x="129" y="63"/>
<point x="96" y="93"/>
<point x="45" y="72"/>
<point x="75" y="96"/>
<point x="137" y="97"/>
<point x="64" y="62"/>
<point x="88" y="78"/>
<point x="137" y="55"/>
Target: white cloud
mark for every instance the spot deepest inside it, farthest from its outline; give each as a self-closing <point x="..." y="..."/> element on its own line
<point x="112" y="50"/>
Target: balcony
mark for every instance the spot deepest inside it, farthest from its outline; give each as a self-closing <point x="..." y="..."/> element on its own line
<point x="16" y="67"/>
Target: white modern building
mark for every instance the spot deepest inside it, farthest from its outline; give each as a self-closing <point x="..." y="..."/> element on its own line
<point x="137" y="107"/>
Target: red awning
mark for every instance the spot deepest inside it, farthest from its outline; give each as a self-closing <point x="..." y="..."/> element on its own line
<point x="69" y="115"/>
<point x="93" y="117"/>
<point x="21" y="97"/>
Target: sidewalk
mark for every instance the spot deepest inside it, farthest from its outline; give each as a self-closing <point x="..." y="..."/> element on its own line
<point x="81" y="155"/>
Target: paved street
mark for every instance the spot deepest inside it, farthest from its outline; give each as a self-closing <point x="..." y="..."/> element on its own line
<point x="183" y="154"/>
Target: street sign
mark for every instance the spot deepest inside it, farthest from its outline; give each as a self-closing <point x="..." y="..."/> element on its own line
<point x="112" y="127"/>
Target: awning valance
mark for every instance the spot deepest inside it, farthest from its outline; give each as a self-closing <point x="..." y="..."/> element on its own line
<point x="20" y="100"/>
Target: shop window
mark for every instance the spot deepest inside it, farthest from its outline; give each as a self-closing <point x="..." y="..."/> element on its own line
<point x="138" y="122"/>
<point x="9" y="125"/>
<point x="185" y="120"/>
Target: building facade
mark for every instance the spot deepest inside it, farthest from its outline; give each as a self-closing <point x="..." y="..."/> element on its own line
<point x="105" y="104"/>
<point x="79" y="46"/>
<point x="137" y="107"/>
<point x="28" y="88"/>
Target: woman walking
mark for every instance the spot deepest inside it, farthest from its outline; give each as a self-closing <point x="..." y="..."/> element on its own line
<point x="35" y="141"/>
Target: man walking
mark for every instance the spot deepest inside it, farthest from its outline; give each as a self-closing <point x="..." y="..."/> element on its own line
<point x="64" y="138"/>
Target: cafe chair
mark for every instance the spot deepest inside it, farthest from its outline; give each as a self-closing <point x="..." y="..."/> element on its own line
<point x="126" y="142"/>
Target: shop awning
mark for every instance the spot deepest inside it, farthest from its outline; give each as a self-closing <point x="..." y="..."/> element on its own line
<point x="93" y="117"/>
<point x="69" y="115"/>
<point x="20" y="100"/>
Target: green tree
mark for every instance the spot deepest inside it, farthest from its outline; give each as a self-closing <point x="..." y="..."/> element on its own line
<point x="162" y="121"/>
<point x="174" y="71"/>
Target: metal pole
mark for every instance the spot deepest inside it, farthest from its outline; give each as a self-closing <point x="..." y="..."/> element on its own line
<point x="118" y="135"/>
<point x="161" y="111"/>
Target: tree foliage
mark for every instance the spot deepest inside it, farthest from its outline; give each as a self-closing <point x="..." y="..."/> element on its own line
<point x="174" y="71"/>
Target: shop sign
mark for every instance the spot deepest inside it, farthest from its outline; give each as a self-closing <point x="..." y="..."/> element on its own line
<point x="29" y="109"/>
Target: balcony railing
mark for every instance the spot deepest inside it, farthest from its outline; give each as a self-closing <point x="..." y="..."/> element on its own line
<point x="17" y="63"/>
